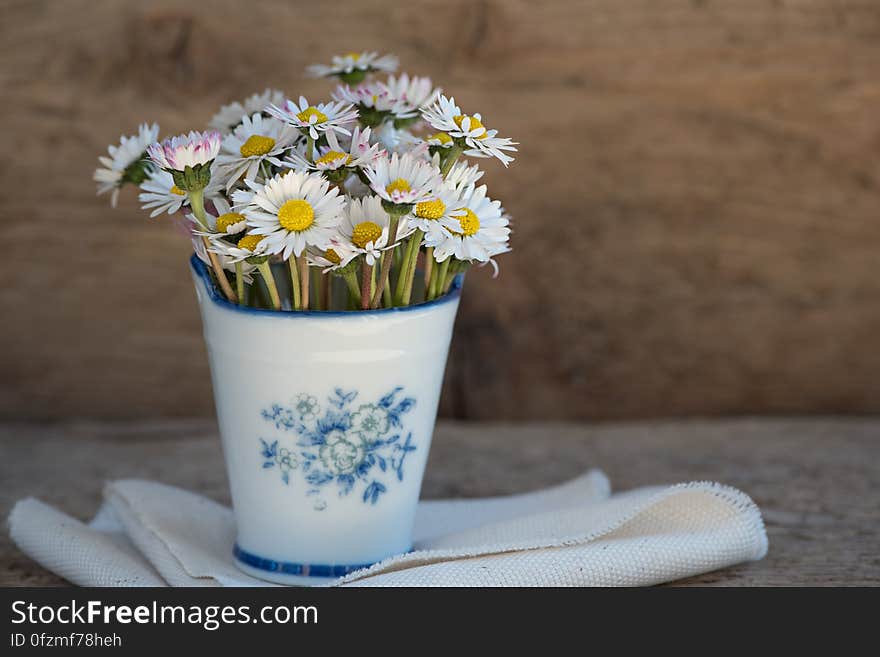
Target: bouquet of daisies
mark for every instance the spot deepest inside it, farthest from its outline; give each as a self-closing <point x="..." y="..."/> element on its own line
<point x="296" y="205"/>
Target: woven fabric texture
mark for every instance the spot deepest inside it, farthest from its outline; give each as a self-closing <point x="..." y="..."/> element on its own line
<point x="574" y="534"/>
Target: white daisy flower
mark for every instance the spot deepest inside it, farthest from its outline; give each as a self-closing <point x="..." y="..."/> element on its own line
<point x="293" y="210"/>
<point x="440" y="140"/>
<point x="245" y="248"/>
<point x="243" y="197"/>
<point x="468" y="130"/>
<point x="126" y="162"/>
<point x="353" y="66"/>
<point x="355" y="188"/>
<point x="400" y="98"/>
<point x="192" y="150"/>
<point x="231" y="115"/>
<point x="411" y="95"/>
<point x="159" y="193"/>
<point x="358" y="153"/>
<point x="366" y="96"/>
<point x="334" y="257"/>
<point x="478" y="231"/>
<point x="256" y="141"/>
<point x="223" y="252"/>
<point x="225" y="221"/>
<point x="395" y="140"/>
<point x="296" y="157"/>
<point x="462" y="175"/>
<point x="365" y="228"/>
<point x="403" y="179"/>
<point x="432" y="215"/>
<point x="236" y="253"/>
<point x="313" y="120"/>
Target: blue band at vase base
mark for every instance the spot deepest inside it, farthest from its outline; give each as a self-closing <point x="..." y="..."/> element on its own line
<point x="299" y="569"/>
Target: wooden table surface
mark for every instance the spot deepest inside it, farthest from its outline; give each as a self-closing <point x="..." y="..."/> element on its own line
<point x="816" y="480"/>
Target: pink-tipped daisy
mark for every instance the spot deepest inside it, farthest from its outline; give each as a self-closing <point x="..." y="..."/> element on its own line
<point x="404" y="179"/>
<point x="192" y="150"/>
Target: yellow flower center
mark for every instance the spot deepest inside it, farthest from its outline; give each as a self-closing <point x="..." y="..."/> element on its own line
<point x="399" y="185"/>
<point x="442" y="137"/>
<point x="430" y="209"/>
<point x="306" y="115"/>
<point x="249" y="242"/>
<point x="332" y="256"/>
<point x="474" y="124"/>
<point x="470" y="224"/>
<point x="296" y="215"/>
<point x="256" y="145"/>
<point x="354" y="55"/>
<point x="333" y="157"/>
<point x="225" y="221"/>
<point x="177" y="190"/>
<point x="364" y="233"/>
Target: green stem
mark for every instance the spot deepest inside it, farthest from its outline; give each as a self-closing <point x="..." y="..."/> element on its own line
<point x="411" y="268"/>
<point x="453" y="155"/>
<point x="432" y="283"/>
<point x="386" y="293"/>
<point x="197" y="205"/>
<point x="403" y="273"/>
<point x="310" y="149"/>
<point x="440" y="278"/>
<point x="454" y="270"/>
<point x="351" y="281"/>
<point x="429" y="269"/>
<point x="294" y="283"/>
<point x="239" y="282"/>
<point x="266" y="273"/>
<point x="260" y="293"/>
<point x="393" y="220"/>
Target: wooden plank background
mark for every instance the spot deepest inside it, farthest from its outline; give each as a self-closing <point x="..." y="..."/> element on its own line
<point x="695" y="204"/>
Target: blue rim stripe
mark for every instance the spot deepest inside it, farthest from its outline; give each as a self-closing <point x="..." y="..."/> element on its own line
<point x="290" y="568"/>
<point x="201" y="271"/>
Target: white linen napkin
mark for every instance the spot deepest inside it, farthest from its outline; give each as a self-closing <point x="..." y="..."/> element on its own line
<point x="574" y="534"/>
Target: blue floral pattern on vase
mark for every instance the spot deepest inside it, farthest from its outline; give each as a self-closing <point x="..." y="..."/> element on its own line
<point x="350" y="446"/>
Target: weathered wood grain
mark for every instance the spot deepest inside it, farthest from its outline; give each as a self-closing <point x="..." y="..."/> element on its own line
<point x="815" y="480"/>
<point x="695" y="202"/>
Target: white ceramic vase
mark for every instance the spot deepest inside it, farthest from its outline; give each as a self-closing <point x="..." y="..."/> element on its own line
<point x="326" y="420"/>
